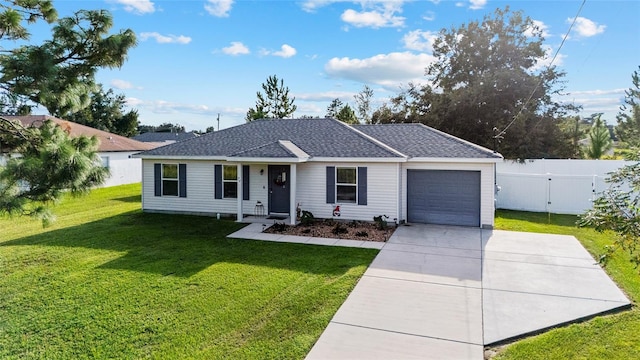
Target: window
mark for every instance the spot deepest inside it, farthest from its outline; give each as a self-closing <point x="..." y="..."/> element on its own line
<point x="230" y="181"/>
<point x="346" y="185"/>
<point x="104" y="161"/>
<point x="169" y="179"/>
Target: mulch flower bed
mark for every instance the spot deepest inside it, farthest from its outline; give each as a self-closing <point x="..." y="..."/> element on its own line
<point x="353" y="230"/>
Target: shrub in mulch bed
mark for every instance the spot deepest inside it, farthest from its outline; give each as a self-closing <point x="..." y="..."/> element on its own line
<point x="329" y="228"/>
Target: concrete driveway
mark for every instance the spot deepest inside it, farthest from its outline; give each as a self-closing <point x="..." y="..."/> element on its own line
<point x="442" y="292"/>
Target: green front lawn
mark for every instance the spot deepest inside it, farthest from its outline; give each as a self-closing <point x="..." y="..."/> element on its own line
<point x="107" y="281"/>
<point x="607" y="337"/>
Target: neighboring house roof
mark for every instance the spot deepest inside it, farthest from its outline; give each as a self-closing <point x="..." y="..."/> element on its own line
<point x="278" y="138"/>
<point x="109" y="142"/>
<point x="419" y="140"/>
<point x="165" y="136"/>
<point x="324" y="138"/>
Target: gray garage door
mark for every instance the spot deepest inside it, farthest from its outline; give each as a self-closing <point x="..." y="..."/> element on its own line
<point x="443" y="197"/>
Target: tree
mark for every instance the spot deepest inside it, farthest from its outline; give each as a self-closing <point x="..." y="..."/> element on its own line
<point x="274" y="103"/>
<point x="628" y="129"/>
<point x="334" y="108"/>
<point x="347" y="115"/>
<point x="164" y="127"/>
<point x="599" y="139"/>
<point x="618" y="209"/>
<point x="51" y="163"/>
<point x="488" y="85"/>
<point x="574" y="129"/>
<point x="363" y="104"/>
<point x="59" y="75"/>
<point x="106" y="111"/>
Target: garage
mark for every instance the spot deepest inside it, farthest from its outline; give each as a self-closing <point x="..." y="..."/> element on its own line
<point x="446" y="197"/>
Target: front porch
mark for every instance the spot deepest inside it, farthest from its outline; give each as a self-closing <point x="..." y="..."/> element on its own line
<point x="267" y="192"/>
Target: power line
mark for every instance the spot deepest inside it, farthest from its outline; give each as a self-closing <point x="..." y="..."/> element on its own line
<point x="504" y="131"/>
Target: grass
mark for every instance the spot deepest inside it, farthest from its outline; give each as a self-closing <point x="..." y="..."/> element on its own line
<point x="608" y="337"/>
<point x="108" y="281"/>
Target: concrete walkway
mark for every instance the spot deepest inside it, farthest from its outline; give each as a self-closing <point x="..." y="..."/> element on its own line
<point x="443" y="292"/>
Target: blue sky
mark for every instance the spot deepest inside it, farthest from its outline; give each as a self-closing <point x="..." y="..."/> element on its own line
<point x="198" y="59"/>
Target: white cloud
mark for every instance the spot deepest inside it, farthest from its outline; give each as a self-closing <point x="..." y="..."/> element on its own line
<point x="477" y="4"/>
<point x="420" y="40"/>
<point x="620" y="91"/>
<point x="326" y="96"/>
<point x="218" y="8"/>
<point x="286" y="51"/>
<point x="585" y="27"/>
<point x="168" y="107"/>
<point x="137" y="6"/>
<point x="540" y="27"/>
<point x="595" y="101"/>
<point x="429" y="16"/>
<point x="123" y="85"/>
<point x="375" y="19"/>
<point x="545" y="61"/>
<point x="389" y="70"/>
<point x="236" y="48"/>
<point x="165" y="39"/>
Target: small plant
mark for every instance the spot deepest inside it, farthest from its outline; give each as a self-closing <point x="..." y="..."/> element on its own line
<point x="354" y="223"/>
<point x="306" y="231"/>
<point x="279" y="227"/>
<point x="381" y="222"/>
<point x="306" y="218"/>
<point x="340" y="229"/>
<point x="362" y="234"/>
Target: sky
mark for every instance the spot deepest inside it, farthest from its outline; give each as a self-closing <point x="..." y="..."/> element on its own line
<point x="197" y="60"/>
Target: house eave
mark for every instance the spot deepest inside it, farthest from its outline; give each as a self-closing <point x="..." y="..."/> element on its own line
<point x="232" y="159"/>
<point x="359" y="160"/>
<point x="455" y="160"/>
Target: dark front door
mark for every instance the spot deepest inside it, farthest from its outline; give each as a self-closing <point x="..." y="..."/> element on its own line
<point x="279" y="189"/>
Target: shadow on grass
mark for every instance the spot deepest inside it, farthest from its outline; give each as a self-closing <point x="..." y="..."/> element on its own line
<point x="185" y="245"/>
<point x="130" y="199"/>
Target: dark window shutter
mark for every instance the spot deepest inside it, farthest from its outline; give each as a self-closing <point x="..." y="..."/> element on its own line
<point x="362" y="186"/>
<point x="331" y="184"/>
<point x="182" y="180"/>
<point x="218" y="181"/>
<point x="157" y="179"/>
<point x="245" y="182"/>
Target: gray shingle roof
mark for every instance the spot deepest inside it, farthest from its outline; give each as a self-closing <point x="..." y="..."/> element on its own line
<point x="164" y="136"/>
<point x="272" y="150"/>
<point x="316" y="137"/>
<point x="418" y="140"/>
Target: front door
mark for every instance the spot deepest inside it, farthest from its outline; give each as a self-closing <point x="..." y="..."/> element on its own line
<point x="279" y="189"/>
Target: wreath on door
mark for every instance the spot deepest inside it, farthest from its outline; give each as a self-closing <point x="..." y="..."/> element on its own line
<point x="278" y="181"/>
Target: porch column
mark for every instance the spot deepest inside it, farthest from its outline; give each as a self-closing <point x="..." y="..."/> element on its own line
<point x="239" y="177"/>
<point x="293" y="203"/>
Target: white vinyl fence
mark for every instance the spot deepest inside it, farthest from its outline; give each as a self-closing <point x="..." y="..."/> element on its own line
<point x="556" y="186"/>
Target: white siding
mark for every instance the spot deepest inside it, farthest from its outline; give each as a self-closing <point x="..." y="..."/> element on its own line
<point x="386" y="190"/>
<point x="487" y="187"/>
<point x="123" y="170"/>
<point x="382" y="191"/>
<point x="257" y="189"/>
<point x="201" y="190"/>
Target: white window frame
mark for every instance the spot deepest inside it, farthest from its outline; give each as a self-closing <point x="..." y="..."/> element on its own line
<point x="176" y="179"/>
<point x="354" y="185"/>
<point x="104" y="161"/>
<point x="225" y="181"/>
